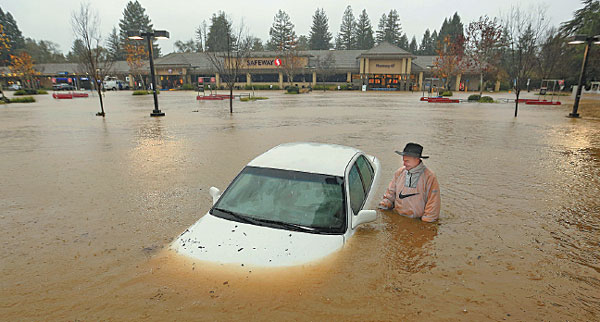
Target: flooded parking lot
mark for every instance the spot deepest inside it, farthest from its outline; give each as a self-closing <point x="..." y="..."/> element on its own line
<point x="88" y="207"/>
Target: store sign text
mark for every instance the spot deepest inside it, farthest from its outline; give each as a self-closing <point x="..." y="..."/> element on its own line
<point x="385" y="66"/>
<point x="260" y="62"/>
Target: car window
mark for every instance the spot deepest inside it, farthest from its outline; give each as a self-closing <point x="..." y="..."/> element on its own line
<point x="356" y="188"/>
<point x="274" y="196"/>
<point x="366" y="172"/>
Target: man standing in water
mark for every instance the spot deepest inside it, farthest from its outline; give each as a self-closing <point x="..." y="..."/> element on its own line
<point x="414" y="191"/>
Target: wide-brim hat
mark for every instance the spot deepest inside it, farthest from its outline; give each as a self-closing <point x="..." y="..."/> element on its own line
<point x="413" y="150"/>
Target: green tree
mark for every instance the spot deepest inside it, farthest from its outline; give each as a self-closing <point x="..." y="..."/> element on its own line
<point x="346" y="38"/>
<point x="13" y="35"/>
<point x="136" y="19"/>
<point x="284" y="41"/>
<point x="4" y="46"/>
<point x="393" y="31"/>
<point x="113" y="46"/>
<point x="364" y="32"/>
<point x="189" y="46"/>
<point x="256" y="44"/>
<point x="43" y="51"/>
<point x="303" y="43"/>
<point x="218" y="33"/>
<point x="424" y="41"/>
<point x="403" y="42"/>
<point x="555" y="59"/>
<point x="412" y="47"/>
<point x="451" y="28"/>
<point x="380" y="33"/>
<point x="427" y="46"/>
<point x="585" y="20"/>
<point x="389" y="29"/>
<point x="77" y="51"/>
<point x="320" y="37"/>
<point x="283" y="36"/>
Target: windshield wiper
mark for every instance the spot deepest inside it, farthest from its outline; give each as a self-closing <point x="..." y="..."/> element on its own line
<point x="262" y="222"/>
<point x="237" y="216"/>
<point x="290" y="226"/>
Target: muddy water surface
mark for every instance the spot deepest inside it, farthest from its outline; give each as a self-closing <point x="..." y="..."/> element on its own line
<point x="88" y="207"/>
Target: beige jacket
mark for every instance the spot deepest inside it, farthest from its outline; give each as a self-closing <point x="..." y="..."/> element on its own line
<point x="420" y="202"/>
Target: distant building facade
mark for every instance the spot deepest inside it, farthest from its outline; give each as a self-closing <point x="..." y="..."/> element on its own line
<point x="383" y="67"/>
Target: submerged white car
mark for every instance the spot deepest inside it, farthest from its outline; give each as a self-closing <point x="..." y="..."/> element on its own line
<point x="293" y="204"/>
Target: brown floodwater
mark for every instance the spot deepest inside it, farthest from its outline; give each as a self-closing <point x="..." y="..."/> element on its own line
<point x="88" y="207"/>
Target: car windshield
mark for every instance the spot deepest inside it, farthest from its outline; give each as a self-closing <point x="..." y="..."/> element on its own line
<point x="285" y="199"/>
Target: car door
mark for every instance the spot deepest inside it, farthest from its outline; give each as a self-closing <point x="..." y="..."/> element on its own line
<point x="356" y="190"/>
<point x="360" y="180"/>
<point x="367" y="174"/>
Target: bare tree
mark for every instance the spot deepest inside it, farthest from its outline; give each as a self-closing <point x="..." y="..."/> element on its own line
<point x="292" y="62"/>
<point x="522" y="34"/>
<point x="93" y="58"/>
<point x="232" y="62"/>
<point x="201" y="35"/>
<point x="324" y="67"/>
<point x="482" y="46"/>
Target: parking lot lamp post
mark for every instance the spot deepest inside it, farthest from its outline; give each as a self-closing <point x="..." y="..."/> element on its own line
<point x="587" y="40"/>
<point x="150" y="35"/>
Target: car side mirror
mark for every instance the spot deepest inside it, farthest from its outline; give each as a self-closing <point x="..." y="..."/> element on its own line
<point x="215" y="193"/>
<point x="364" y="216"/>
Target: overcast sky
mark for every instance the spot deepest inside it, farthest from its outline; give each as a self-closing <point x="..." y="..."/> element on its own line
<point x="50" y="20"/>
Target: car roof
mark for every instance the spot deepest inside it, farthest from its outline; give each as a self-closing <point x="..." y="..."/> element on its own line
<point x="320" y="158"/>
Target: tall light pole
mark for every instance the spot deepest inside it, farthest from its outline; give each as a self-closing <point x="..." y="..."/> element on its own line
<point x="587" y="40"/>
<point x="155" y="34"/>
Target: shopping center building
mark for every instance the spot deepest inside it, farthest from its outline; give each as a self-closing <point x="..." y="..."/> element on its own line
<point x="384" y="67"/>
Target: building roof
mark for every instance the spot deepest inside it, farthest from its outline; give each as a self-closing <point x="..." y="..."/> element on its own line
<point x="385" y="50"/>
<point x="422" y="63"/>
<point x="189" y="60"/>
<point x="342" y="59"/>
<point x="319" y="158"/>
<point x="272" y="53"/>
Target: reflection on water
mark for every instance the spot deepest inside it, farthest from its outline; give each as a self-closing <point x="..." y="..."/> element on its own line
<point x="88" y="206"/>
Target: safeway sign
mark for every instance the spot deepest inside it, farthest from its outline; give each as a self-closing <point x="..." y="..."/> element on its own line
<point x="261" y="63"/>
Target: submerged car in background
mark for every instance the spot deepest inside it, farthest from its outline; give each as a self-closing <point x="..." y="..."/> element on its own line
<point x="293" y="204"/>
<point x="63" y="87"/>
<point x="115" y="84"/>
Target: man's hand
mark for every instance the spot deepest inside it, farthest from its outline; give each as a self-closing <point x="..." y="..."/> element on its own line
<point x="384" y="204"/>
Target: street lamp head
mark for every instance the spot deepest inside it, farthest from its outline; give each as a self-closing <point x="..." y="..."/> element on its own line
<point x="597" y="39"/>
<point x="161" y="34"/>
<point x="578" y="39"/>
<point x="137" y="35"/>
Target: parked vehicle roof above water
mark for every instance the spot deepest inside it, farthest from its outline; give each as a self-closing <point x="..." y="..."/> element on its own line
<point x="320" y="158"/>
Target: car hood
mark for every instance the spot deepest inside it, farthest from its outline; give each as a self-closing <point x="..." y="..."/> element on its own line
<point x="225" y="241"/>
